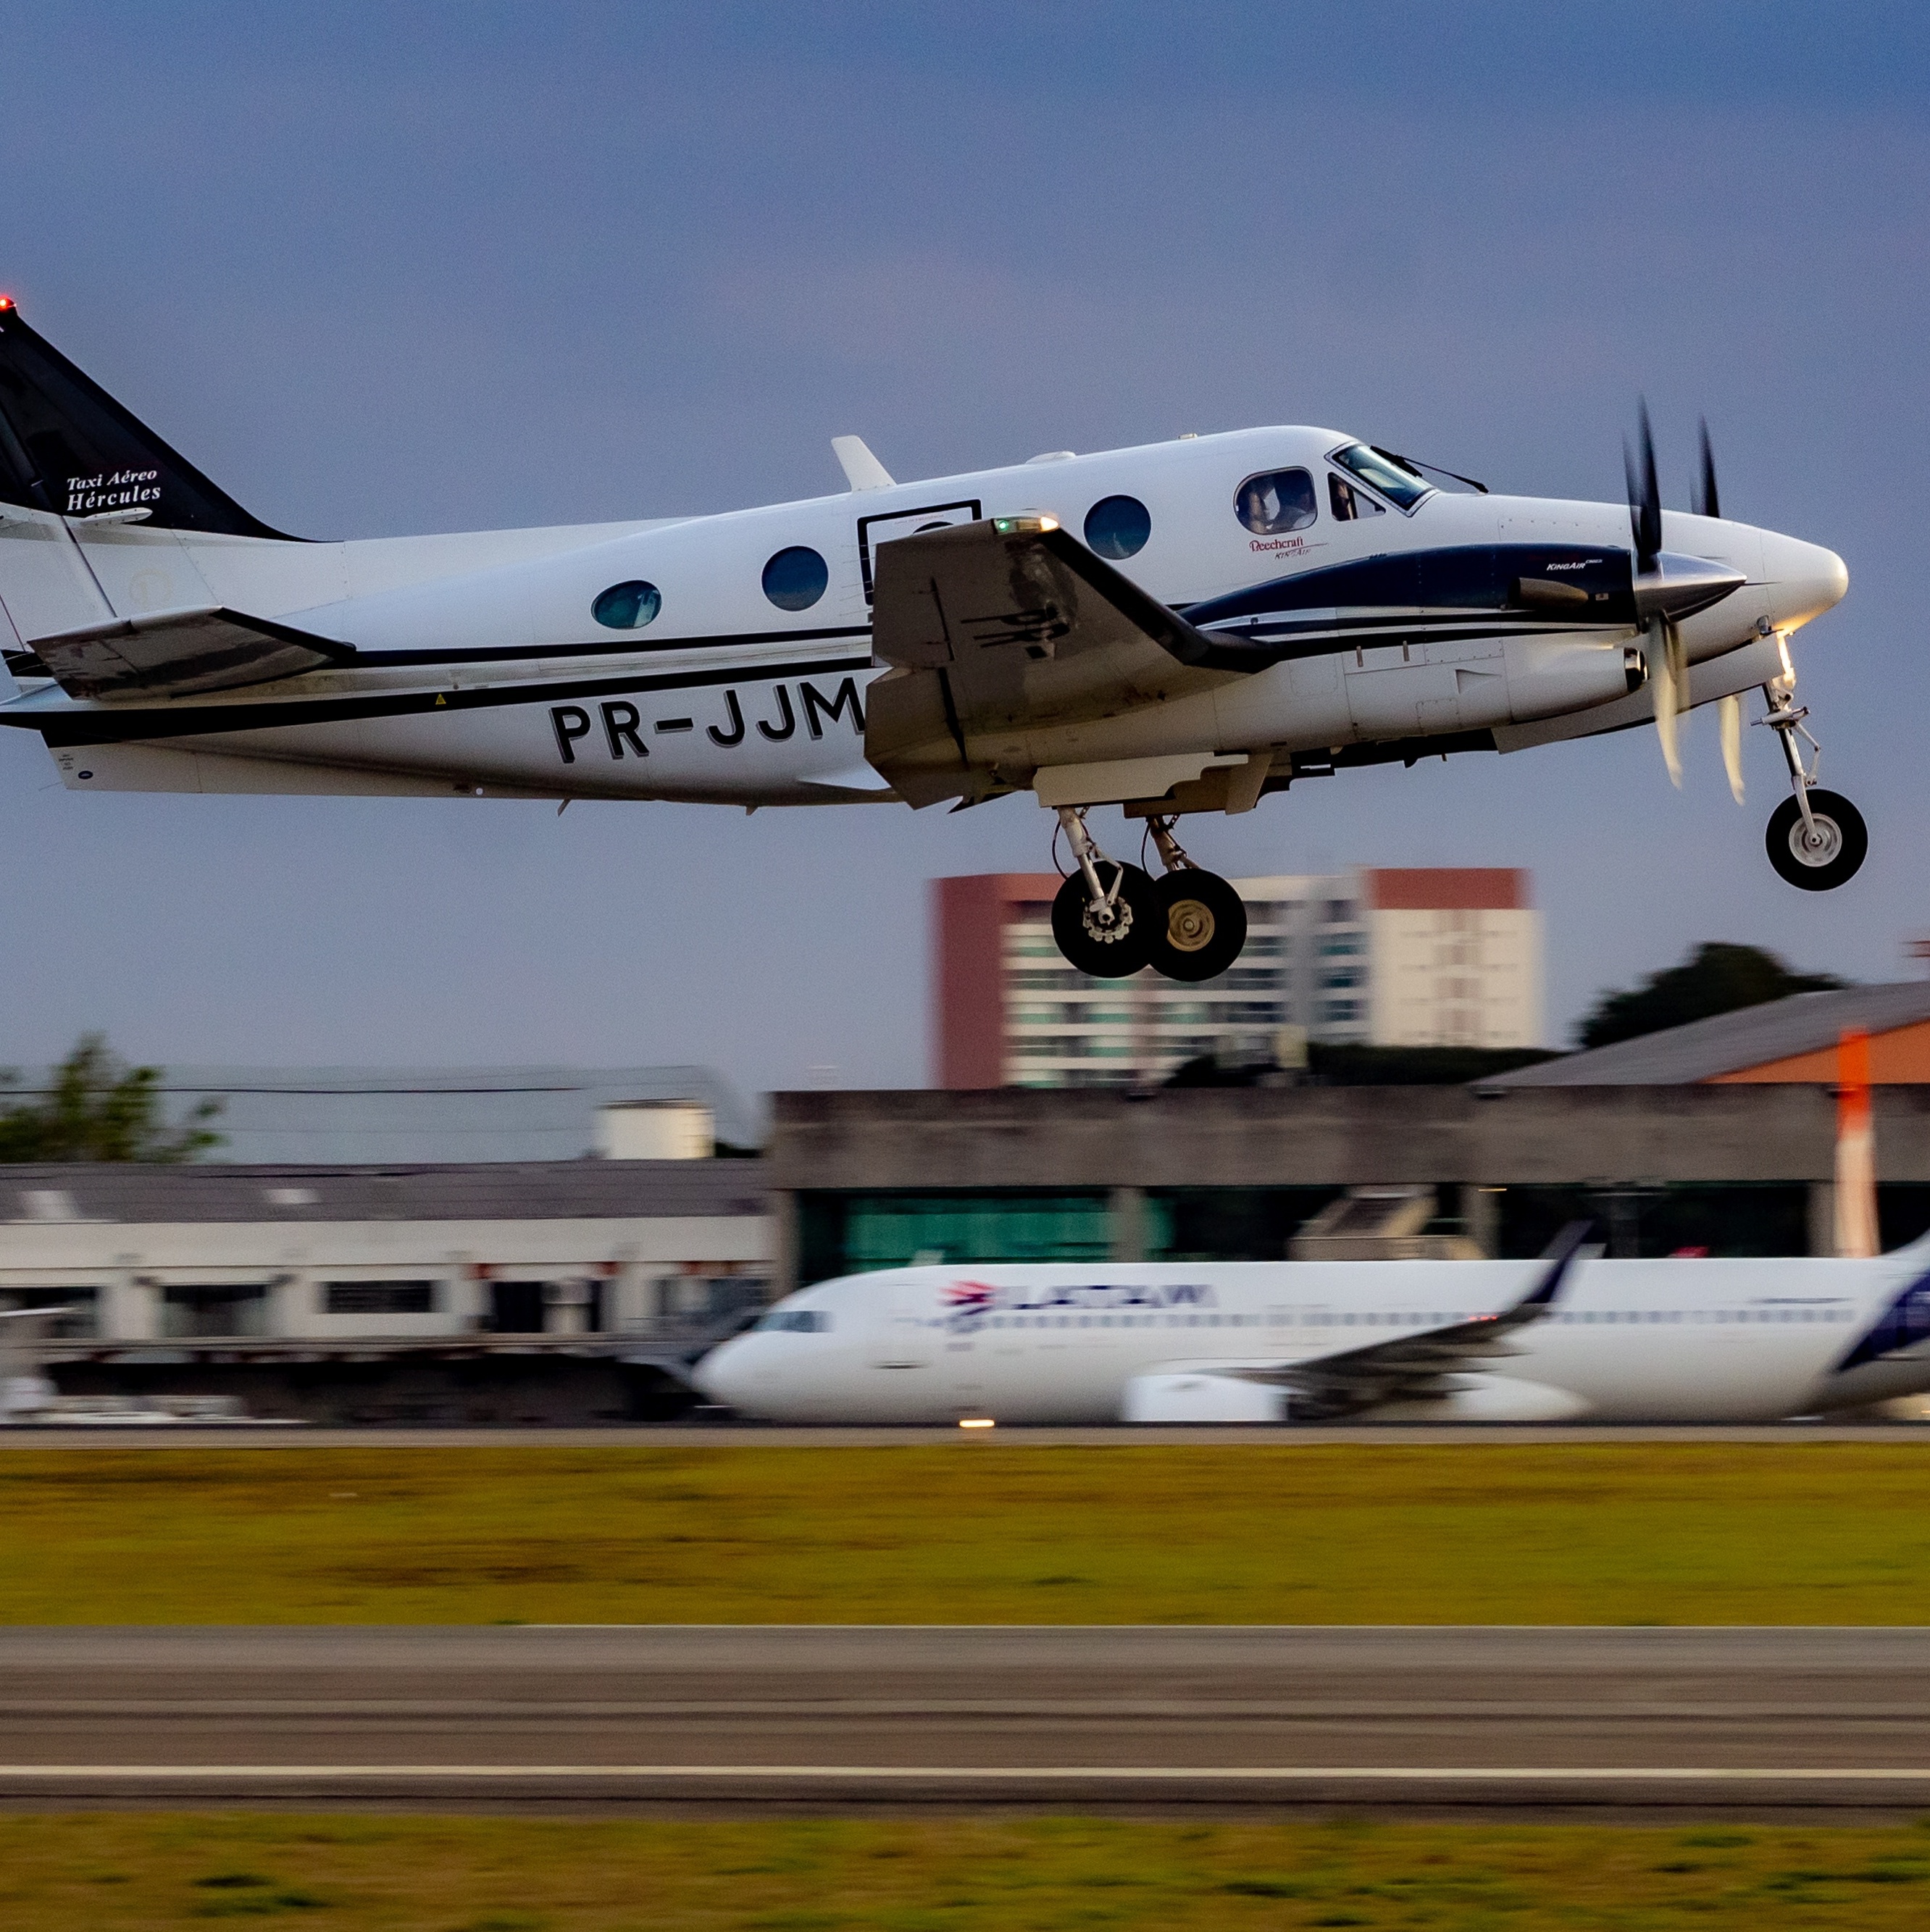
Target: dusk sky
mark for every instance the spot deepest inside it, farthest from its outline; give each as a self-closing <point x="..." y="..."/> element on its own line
<point x="393" y="268"/>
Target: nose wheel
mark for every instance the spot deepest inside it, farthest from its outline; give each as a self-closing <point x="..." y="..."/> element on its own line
<point x="1817" y="839"/>
<point x="1821" y="850"/>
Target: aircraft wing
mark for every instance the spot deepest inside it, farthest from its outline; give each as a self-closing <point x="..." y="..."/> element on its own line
<point x="173" y="653"/>
<point x="1416" y="1366"/>
<point x="992" y="627"/>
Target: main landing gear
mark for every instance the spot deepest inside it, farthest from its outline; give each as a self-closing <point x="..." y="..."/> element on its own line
<point x="1111" y="918"/>
<point x="1817" y="839"/>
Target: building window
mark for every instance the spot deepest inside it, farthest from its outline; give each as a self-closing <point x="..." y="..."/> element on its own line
<point x="80" y="1321"/>
<point x="213" y="1310"/>
<point x="627" y="607"/>
<point x="795" y="578"/>
<point x="843" y="1234"/>
<point x="378" y="1297"/>
<point x="1117" y="527"/>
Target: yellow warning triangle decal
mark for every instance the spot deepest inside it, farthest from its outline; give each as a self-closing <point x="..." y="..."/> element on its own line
<point x="440" y="699"/>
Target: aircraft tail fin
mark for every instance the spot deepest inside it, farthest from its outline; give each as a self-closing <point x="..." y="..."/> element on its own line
<point x="68" y="449"/>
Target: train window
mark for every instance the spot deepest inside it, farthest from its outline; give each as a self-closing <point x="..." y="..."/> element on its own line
<point x="627" y="607"/>
<point x="1349" y="504"/>
<point x="1276" y="500"/>
<point x="1117" y="527"/>
<point x="795" y="578"/>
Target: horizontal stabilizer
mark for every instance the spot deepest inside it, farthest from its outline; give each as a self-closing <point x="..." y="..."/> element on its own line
<point x="174" y="653"/>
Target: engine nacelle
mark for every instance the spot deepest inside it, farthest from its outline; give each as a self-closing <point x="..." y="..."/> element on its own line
<point x="1547" y="675"/>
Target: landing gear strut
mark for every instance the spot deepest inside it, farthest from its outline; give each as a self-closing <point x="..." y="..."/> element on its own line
<point x="1105" y="917"/>
<point x="1817" y="839"/>
<point x="1110" y="919"/>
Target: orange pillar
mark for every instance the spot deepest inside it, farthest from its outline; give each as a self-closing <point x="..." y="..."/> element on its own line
<point x="1856" y="1147"/>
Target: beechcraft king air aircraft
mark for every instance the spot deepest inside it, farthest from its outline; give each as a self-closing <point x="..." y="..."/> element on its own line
<point x="1178" y="628"/>
<point x="1564" y="1339"/>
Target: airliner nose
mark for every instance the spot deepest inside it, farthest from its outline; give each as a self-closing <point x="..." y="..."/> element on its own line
<point x="1804" y="579"/>
<point x="718" y="1376"/>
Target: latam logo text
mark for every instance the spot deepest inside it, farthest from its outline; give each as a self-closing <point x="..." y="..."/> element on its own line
<point x="623" y="725"/>
<point x="125" y="488"/>
<point x="970" y="1300"/>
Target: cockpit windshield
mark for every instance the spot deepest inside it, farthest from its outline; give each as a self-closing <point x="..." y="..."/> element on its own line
<point x="1399" y="485"/>
<point x="796" y="1321"/>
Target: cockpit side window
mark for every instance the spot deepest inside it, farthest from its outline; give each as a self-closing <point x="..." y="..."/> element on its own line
<point x="1399" y="485"/>
<point x="797" y="1320"/>
<point x="1348" y="503"/>
<point x="1275" y="501"/>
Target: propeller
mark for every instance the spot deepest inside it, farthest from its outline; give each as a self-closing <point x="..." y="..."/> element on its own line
<point x="1729" y="719"/>
<point x="1708" y="501"/>
<point x="1668" y="663"/>
<point x="1645" y="499"/>
<point x="1668" y="656"/>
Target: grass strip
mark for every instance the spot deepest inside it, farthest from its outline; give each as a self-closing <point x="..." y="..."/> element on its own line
<point x="977" y="1532"/>
<point x="342" y="1873"/>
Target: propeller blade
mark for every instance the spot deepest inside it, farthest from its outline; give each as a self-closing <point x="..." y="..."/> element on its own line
<point x="1645" y="498"/>
<point x="1728" y="716"/>
<point x="1708" y="501"/>
<point x="1663" y="696"/>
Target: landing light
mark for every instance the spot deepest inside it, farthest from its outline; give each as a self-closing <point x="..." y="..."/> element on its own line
<point x="976" y="1422"/>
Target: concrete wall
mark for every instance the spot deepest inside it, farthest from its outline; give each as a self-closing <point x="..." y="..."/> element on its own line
<point x="1331" y="1136"/>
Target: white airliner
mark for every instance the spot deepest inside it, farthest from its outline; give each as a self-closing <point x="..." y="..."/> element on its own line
<point x="1178" y="627"/>
<point x="1564" y="1339"/>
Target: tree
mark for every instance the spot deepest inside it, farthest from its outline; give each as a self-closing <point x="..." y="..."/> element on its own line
<point x="98" y="1108"/>
<point x="1715" y="978"/>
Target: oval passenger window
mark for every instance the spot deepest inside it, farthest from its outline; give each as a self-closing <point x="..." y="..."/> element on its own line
<point x="1117" y="527"/>
<point x="795" y="578"/>
<point x="1275" y="501"/>
<point x="627" y="607"/>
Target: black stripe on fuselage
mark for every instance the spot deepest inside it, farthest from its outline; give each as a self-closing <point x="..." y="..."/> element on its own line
<point x="630" y="645"/>
<point x="116" y="726"/>
<point x="1335" y="636"/>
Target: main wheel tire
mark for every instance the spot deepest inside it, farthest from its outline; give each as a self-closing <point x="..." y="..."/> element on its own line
<point x="1100" y="949"/>
<point x="1835" y="854"/>
<point x="1202" y="925"/>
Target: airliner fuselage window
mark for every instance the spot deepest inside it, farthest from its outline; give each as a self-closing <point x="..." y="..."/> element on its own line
<point x="1276" y="501"/>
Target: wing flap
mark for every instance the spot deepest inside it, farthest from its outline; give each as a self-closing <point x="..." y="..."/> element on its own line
<point x="176" y="653"/>
<point x="1409" y="1367"/>
<point x="1007" y="624"/>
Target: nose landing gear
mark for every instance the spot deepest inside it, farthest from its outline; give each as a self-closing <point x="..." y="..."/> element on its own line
<point x="1817" y="840"/>
<point x="1109" y="920"/>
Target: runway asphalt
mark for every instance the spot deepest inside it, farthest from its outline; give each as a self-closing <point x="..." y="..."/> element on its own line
<point x="730" y="1436"/>
<point x="704" y="1719"/>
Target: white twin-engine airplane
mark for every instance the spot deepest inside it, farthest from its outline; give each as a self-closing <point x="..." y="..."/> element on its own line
<point x="1561" y="1339"/>
<point x="1181" y="627"/>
